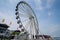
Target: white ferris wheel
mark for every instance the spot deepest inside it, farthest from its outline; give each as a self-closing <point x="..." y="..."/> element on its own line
<point x="26" y="18"/>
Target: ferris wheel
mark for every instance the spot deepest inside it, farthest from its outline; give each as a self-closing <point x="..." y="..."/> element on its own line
<point x="26" y="18"/>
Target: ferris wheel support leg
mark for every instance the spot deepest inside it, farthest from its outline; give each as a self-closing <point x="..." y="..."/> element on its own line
<point x="33" y="37"/>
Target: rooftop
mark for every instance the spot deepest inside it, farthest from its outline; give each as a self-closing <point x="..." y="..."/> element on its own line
<point x="4" y="25"/>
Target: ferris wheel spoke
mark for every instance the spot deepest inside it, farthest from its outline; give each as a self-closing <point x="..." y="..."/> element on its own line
<point x="23" y="5"/>
<point x="26" y="9"/>
<point x="25" y="20"/>
<point x="23" y="15"/>
<point x="27" y="26"/>
<point x="23" y="8"/>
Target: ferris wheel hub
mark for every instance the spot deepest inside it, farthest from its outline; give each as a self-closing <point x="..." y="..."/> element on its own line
<point x="31" y="17"/>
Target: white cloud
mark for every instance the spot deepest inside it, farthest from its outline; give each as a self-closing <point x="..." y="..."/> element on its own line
<point x="13" y="2"/>
<point x="49" y="3"/>
<point x="39" y="4"/>
<point x="50" y="14"/>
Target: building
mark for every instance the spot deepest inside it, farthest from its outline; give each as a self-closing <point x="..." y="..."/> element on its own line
<point x="4" y="32"/>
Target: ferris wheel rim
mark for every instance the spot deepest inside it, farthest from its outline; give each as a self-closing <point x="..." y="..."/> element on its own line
<point x="28" y="6"/>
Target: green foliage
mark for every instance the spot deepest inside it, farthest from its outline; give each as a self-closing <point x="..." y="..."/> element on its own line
<point x="15" y="33"/>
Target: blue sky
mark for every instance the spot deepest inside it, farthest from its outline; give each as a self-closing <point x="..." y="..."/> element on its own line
<point x="47" y="12"/>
